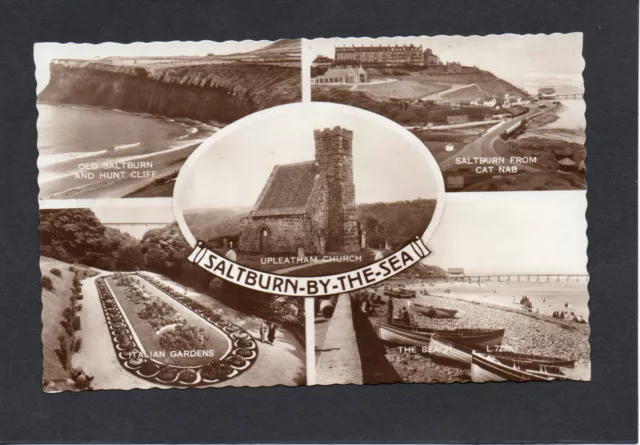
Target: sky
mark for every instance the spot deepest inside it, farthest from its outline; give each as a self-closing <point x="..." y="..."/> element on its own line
<point x="389" y="163"/>
<point x="524" y="60"/>
<point x="44" y="53"/>
<point x="512" y="232"/>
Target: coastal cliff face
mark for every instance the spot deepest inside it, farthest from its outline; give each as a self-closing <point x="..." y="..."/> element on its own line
<point x="205" y="90"/>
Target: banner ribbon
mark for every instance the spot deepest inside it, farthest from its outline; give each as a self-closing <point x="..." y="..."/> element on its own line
<point x="308" y="286"/>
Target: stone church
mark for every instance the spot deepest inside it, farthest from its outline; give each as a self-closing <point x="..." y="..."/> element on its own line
<point x="308" y="207"/>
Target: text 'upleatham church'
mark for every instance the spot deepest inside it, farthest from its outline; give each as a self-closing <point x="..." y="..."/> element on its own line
<point x="308" y="207"/>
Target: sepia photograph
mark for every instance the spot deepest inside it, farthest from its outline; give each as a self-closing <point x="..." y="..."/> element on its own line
<point x="498" y="112"/>
<point x="118" y="120"/>
<point x="309" y="190"/>
<point x="123" y="309"/>
<point x="503" y="297"/>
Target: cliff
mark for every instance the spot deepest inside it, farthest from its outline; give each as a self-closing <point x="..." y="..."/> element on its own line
<point x="206" y="88"/>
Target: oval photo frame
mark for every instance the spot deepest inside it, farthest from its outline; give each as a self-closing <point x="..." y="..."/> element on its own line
<point x="306" y="188"/>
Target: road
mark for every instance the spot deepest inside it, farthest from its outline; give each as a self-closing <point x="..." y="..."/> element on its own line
<point x="484" y="146"/>
<point x="439" y="95"/>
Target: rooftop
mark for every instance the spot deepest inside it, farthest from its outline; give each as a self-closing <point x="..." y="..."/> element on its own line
<point x="287" y="190"/>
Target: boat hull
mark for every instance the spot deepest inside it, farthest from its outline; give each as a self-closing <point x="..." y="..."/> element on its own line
<point x="435" y="312"/>
<point x="485" y="368"/>
<point x="404" y="337"/>
<point x="422" y="337"/>
<point x="399" y="294"/>
<point x="450" y="350"/>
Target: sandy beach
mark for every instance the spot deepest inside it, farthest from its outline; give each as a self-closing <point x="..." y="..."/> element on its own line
<point x="92" y="152"/>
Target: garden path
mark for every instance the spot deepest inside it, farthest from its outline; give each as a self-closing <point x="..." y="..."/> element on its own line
<point x="96" y="356"/>
<point x="280" y="364"/>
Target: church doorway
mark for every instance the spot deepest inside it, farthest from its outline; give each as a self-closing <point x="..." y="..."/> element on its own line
<point x="265" y="240"/>
<point x="320" y="244"/>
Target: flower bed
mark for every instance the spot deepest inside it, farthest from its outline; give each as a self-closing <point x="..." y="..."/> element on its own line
<point x="243" y="354"/>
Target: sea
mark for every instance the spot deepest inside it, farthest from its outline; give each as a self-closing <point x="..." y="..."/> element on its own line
<point x="546" y="297"/>
<point x="72" y="138"/>
<point x="571" y="116"/>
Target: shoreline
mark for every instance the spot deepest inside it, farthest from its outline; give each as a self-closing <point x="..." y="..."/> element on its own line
<point x="525" y="332"/>
<point x="217" y="125"/>
<point x="190" y="134"/>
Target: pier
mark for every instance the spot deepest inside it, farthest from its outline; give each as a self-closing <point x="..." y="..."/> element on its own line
<point x="523" y="278"/>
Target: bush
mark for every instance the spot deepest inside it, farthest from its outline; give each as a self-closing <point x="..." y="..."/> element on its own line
<point x="167" y="374"/>
<point x="183" y="337"/>
<point x="149" y="368"/>
<point x="46" y="283"/>
<point x="235" y="361"/>
<point x="72" y="269"/>
<point x="81" y="379"/>
<point x="56" y="272"/>
<point x="76" y="324"/>
<point x="216" y="370"/>
<point x="62" y="352"/>
<point x="67" y="327"/>
<point x="156" y="309"/>
<point x="244" y="343"/>
<point x="77" y="344"/>
<point x="188" y="376"/>
<point x="244" y="353"/>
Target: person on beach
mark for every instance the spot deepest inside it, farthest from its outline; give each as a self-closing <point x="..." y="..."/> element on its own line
<point x="405" y="316"/>
<point x="263" y="331"/>
<point x="272" y="333"/>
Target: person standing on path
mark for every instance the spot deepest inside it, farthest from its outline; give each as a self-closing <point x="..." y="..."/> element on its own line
<point x="272" y="333"/>
<point x="263" y="331"/>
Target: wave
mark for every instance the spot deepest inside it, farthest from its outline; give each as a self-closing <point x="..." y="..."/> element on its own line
<point x="45" y="177"/>
<point x="125" y="146"/>
<point x="60" y="158"/>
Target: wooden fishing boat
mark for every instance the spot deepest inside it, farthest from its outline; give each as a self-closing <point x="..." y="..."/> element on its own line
<point x="413" y="336"/>
<point x="434" y="312"/>
<point x="399" y="293"/>
<point x="488" y="368"/>
<point x="451" y="350"/>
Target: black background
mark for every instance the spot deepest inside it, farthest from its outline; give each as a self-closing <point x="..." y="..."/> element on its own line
<point x="603" y="410"/>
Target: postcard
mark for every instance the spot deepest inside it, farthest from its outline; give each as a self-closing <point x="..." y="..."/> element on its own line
<point x="313" y="212"/>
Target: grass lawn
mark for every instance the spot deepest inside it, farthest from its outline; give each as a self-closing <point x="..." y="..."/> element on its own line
<point x="466" y="94"/>
<point x="404" y="88"/>
<point x="53" y="303"/>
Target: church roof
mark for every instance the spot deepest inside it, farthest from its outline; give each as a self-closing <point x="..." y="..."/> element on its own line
<point x="287" y="190"/>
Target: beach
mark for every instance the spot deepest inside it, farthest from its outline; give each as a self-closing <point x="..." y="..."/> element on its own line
<point x="525" y="332"/>
<point x="91" y="152"/>
<point x="566" y="123"/>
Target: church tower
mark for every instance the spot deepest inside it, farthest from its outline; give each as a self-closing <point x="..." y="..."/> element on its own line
<point x="334" y="155"/>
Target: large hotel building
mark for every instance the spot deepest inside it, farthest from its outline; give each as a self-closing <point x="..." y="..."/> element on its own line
<point x="385" y="55"/>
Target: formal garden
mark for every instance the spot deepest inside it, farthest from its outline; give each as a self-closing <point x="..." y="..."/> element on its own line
<point x="167" y="338"/>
